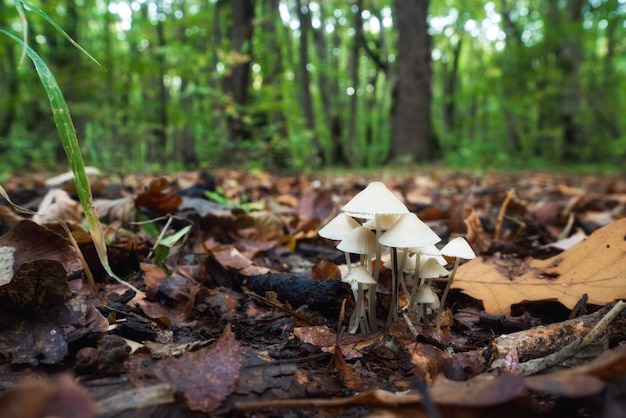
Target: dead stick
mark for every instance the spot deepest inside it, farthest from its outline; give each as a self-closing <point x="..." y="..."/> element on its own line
<point x="537" y="365"/>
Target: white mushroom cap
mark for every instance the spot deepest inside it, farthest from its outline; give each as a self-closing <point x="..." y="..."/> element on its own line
<point x="359" y="241"/>
<point x="375" y="199"/>
<point x="358" y="274"/>
<point x="425" y="294"/>
<point x="431" y="269"/>
<point x="409" y="231"/>
<point x="338" y="227"/>
<point x="430" y="251"/>
<point x="426" y="250"/>
<point x="385" y="221"/>
<point x="458" y="247"/>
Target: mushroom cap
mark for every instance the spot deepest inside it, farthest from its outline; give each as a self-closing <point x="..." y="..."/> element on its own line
<point x="359" y="241"/>
<point x="425" y="294"/>
<point x="338" y="227"/>
<point x="409" y="231"/>
<point x="430" y="268"/>
<point x="358" y="274"/>
<point x="426" y="250"/>
<point x="375" y="199"/>
<point x="385" y="221"/>
<point x="458" y="247"/>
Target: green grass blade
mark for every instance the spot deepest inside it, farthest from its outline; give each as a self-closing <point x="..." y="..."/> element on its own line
<point x="41" y="13"/>
<point x="22" y="15"/>
<point x="65" y="127"/>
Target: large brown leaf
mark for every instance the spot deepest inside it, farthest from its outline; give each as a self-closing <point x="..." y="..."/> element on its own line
<point x="595" y="266"/>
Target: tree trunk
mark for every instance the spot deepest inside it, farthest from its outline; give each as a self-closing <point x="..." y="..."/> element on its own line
<point x="159" y="152"/>
<point x="411" y="137"/>
<point x="328" y="92"/>
<point x="239" y="80"/>
<point x="450" y="88"/>
<point x="570" y="56"/>
<point x="305" y="81"/>
<point x="353" y="158"/>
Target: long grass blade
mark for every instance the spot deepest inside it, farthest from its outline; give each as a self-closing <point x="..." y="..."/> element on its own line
<point x="65" y="127"/>
<point x="41" y="13"/>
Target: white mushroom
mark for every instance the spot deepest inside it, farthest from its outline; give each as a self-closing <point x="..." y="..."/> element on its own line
<point x="358" y="277"/>
<point x="373" y="203"/>
<point x="338" y="228"/>
<point x="409" y="231"/>
<point x="458" y="248"/>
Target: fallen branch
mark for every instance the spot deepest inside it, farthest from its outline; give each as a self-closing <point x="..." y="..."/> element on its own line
<point x="537" y="365"/>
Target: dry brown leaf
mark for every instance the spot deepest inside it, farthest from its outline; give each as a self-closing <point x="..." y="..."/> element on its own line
<point x="207" y="376"/>
<point x="595" y="266"/>
<point x="159" y="197"/>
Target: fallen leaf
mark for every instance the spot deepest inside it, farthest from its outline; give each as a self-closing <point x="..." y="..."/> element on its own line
<point x="34" y="242"/>
<point x="171" y="296"/>
<point x="481" y="391"/>
<point x="352" y="345"/>
<point x="207" y="376"/>
<point x="159" y="197"/>
<point x="37" y="286"/>
<point x="60" y="397"/>
<point x="595" y="266"/>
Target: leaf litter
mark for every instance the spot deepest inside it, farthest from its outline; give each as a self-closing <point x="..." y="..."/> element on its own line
<point x="239" y="309"/>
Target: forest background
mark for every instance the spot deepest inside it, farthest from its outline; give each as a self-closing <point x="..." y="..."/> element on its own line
<point x="297" y="84"/>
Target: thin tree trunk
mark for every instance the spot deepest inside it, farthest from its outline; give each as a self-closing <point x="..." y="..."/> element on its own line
<point x="305" y="80"/>
<point x="450" y="88"/>
<point x="327" y="94"/>
<point x="570" y="56"/>
<point x="239" y="80"/>
<point x="160" y="153"/>
<point x="354" y="157"/>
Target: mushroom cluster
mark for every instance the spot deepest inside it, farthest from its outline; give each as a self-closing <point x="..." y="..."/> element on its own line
<point x="374" y="220"/>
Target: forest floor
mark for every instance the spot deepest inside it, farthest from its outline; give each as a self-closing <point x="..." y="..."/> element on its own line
<point x="237" y="307"/>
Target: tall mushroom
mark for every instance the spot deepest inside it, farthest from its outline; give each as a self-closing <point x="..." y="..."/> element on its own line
<point x="409" y="231"/>
<point x="363" y="242"/>
<point x="457" y="248"/>
<point x="358" y="277"/>
<point x="372" y="203"/>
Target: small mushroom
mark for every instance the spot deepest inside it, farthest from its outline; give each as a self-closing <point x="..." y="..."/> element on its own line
<point x="358" y="277"/>
<point x="359" y="241"/>
<point x="338" y="228"/>
<point x="458" y="248"/>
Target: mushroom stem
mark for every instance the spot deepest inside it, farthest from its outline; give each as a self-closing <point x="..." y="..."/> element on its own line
<point x="444" y="295"/>
<point x="371" y="289"/>
<point x="393" y="306"/>
<point x="416" y="274"/>
<point x="401" y="272"/>
<point x="356" y="313"/>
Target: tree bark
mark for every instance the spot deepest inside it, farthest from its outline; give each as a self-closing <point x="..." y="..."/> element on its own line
<point x="305" y="80"/>
<point x="412" y="137"/>
<point x="328" y="89"/>
<point x="239" y="80"/>
<point x="353" y="158"/>
<point x="570" y="56"/>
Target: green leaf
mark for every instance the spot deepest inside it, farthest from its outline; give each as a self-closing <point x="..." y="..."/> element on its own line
<point x="65" y="127"/>
<point x="41" y="13"/>
<point x="170" y="240"/>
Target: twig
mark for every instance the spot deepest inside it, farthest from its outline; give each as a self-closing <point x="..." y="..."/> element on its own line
<point x="509" y="196"/>
<point x="537" y="365"/>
